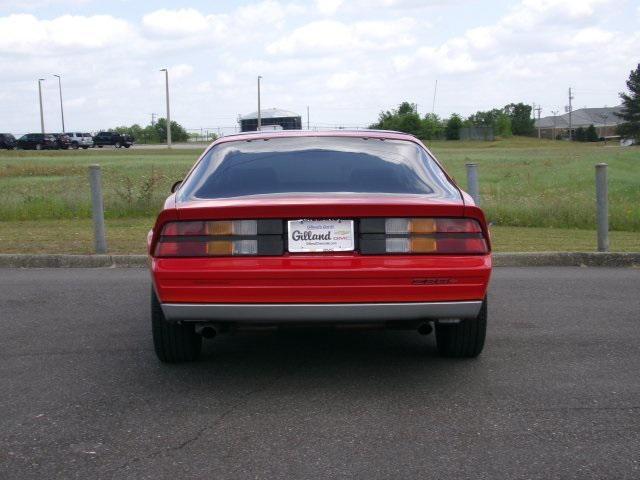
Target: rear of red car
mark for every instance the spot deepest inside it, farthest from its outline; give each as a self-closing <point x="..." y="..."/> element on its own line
<point x="355" y="228"/>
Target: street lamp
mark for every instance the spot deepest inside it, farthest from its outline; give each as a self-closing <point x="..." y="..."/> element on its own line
<point x="166" y="78"/>
<point x="259" y="112"/>
<point x="40" y="80"/>
<point x="61" y="109"/>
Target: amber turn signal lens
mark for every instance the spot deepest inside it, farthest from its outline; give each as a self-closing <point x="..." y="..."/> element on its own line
<point x="423" y="245"/>
<point x="219" y="248"/>
<point x="422" y="225"/>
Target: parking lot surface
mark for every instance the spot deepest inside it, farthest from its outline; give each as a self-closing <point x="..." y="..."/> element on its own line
<point x="555" y="394"/>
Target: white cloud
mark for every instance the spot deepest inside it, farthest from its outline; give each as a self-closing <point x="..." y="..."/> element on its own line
<point x="331" y="35"/>
<point x="181" y="22"/>
<point x="328" y="7"/>
<point x="26" y="34"/>
<point x="342" y="81"/>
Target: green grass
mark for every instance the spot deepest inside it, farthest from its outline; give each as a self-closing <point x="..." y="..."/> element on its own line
<point x="129" y="236"/>
<point x="544" y="183"/>
<point x="523" y="182"/>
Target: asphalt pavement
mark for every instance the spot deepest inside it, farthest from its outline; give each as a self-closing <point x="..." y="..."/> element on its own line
<point x="555" y="394"/>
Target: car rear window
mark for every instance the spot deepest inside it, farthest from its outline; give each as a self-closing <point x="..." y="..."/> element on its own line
<point x="316" y="165"/>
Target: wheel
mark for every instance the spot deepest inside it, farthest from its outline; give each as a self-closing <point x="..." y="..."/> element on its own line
<point x="99" y="146"/>
<point x="75" y="145"/>
<point x="38" y="146"/>
<point x="464" y="339"/>
<point x="84" y="147"/>
<point x="126" y="145"/>
<point x="117" y="144"/>
<point x="173" y="342"/>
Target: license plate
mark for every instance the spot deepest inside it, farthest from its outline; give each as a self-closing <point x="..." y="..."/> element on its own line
<point x="320" y="235"/>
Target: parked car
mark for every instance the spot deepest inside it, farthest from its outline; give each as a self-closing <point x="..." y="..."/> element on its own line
<point x="63" y="140"/>
<point x="7" y="141"/>
<point x="112" y="138"/>
<point x="37" y="141"/>
<point x="80" y="140"/>
<point x="309" y="228"/>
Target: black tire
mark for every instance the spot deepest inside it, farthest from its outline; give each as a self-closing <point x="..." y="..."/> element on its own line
<point x="85" y="147"/>
<point x="75" y="145"/>
<point x="173" y="342"/>
<point x="464" y="339"/>
<point x="99" y="146"/>
<point x="117" y="144"/>
<point x="126" y="145"/>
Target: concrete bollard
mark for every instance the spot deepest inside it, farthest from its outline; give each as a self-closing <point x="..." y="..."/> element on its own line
<point x="602" y="207"/>
<point x="472" y="182"/>
<point x="97" y="209"/>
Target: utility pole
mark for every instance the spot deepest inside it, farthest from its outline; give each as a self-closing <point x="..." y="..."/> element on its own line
<point x="435" y="90"/>
<point x="570" y="119"/>
<point x="61" y="109"/>
<point x="259" y="112"/>
<point x="166" y="78"/>
<point x="153" y="118"/>
<point x="307" y="117"/>
<point x="40" y="80"/>
<point x="539" y="109"/>
<point x="555" y="117"/>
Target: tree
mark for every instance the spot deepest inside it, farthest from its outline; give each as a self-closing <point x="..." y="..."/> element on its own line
<point x="432" y="127"/>
<point x="630" y="111"/>
<point x="497" y="119"/>
<point x="579" y="134"/>
<point x="521" y="121"/>
<point x="405" y="118"/>
<point x="590" y="134"/>
<point x="178" y="134"/>
<point x="452" y="130"/>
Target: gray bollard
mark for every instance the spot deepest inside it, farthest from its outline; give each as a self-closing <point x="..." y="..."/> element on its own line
<point x="602" y="207"/>
<point x="97" y="208"/>
<point x="472" y="182"/>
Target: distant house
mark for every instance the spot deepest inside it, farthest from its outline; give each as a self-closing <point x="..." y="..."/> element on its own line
<point x="602" y="118"/>
<point x="271" y="116"/>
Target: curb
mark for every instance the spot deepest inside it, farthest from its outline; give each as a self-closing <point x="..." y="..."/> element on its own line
<point x="524" y="259"/>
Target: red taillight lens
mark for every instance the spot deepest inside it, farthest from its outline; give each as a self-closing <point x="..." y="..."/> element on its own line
<point x="434" y="236"/>
<point x="208" y="238"/>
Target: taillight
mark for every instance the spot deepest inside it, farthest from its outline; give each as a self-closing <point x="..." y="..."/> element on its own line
<point x="220" y="238"/>
<point x="421" y="236"/>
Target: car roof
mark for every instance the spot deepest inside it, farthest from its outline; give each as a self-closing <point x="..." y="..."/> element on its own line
<point x="364" y="133"/>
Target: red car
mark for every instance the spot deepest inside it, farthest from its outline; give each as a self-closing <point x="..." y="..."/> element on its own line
<point x="337" y="228"/>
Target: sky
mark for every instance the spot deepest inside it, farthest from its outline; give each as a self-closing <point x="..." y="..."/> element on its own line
<point x="345" y="59"/>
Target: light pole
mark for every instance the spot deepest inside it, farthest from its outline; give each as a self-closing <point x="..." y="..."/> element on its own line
<point x="555" y="116"/>
<point x="40" y="80"/>
<point x="61" y="109"/>
<point x="259" y="112"/>
<point x="166" y="78"/>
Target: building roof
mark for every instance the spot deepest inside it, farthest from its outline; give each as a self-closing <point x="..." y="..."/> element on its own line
<point x="583" y="117"/>
<point x="269" y="113"/>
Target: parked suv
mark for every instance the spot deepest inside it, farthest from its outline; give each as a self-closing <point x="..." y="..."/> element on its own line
<point x="63" y="140"/>
<point x="112" y="138"/>
<point x="80" y="140"/>
<point x="7" y="141"/>
<point x="37" y="141"/>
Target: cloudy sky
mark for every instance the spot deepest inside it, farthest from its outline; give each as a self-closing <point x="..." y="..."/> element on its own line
<point x="346" y="59"/>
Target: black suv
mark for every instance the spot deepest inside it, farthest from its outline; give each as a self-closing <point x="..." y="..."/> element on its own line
<point x="112" y="138"/>
<point x="7" y="141"/>
<point x="63" y="140"/>
<point x="37" y="141"/>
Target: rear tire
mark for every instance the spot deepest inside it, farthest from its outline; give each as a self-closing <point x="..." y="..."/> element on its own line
<point x="173" y="342"/>
<point x="464" y="339"/>
<point x="75" y="145"/>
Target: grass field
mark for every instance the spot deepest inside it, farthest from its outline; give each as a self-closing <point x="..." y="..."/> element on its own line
<point x="523" y="183"/>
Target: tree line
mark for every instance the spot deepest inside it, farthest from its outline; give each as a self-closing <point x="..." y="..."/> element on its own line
<point x="154" y="133"/>
<point x="512" y="119"/>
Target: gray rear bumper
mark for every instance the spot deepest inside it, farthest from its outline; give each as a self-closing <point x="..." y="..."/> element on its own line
<point x="319" y="312"/>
